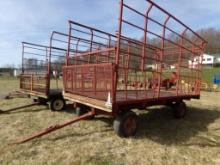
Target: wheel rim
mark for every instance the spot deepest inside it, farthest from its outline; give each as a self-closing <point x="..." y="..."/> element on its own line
<point x="58" y="104"/>
<point x="130" y="126"/>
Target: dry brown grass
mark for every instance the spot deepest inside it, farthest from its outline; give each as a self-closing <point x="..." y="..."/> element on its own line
<point x="160" y="140"/>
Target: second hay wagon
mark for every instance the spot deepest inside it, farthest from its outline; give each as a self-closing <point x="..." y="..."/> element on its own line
<point x="41" y="71"/>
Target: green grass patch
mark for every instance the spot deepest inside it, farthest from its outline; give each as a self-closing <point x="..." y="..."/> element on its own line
<point x="208" y="74"/>
<point x="8" y="84"/>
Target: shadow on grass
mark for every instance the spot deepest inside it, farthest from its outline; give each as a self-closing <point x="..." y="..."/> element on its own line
<point x="106" y="120"/>
<point x="72" y="135"/>
<point x="68" y="135"/>
<point x="69" y="109"/>
<point x="108" y="127"/>
<point x="159" y="125"/>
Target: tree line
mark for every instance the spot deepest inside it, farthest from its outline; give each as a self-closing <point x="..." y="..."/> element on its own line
<point x="212" y="36"/>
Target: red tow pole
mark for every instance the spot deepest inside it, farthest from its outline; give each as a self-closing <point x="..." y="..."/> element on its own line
<point x="18" y="108"/>
<point x="55" y="127"/>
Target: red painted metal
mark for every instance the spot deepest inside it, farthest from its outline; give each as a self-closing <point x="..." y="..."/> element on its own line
<point x="17" y="108"/>
<point x="91" y="80"/>
<point x="39" y="62"/>
<point x="55" y="127"/>
<point x="34" y="68"/>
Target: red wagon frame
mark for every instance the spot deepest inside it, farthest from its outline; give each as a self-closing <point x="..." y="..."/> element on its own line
<point x="36" y="79"/>
<point x="114" y="59"/>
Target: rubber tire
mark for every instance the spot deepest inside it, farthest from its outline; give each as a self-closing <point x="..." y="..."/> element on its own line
<point x="53" y="102"/>
<point x="180" y="110"/>
<point x="119" y="122"/>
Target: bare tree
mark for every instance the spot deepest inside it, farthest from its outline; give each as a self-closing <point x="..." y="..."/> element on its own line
<point x="212" y="36"/>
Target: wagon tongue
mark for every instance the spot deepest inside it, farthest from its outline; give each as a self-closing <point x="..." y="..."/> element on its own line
<point x="18" y="108"/>
<point x="55" y="127"/>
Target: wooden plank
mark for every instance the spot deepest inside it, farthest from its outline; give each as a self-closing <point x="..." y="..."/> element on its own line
<point x="35" y="84"/>
<point x="32" y="93"/>
<point x="87" y="101"/>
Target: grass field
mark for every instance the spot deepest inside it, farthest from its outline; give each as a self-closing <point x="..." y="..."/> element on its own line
<point x="161" y="138"/>
<point x="208" y="74"/>
<point x="7" y="85"/>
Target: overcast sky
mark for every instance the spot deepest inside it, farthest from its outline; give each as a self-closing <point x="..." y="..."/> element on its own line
<point x="34" y="20"/>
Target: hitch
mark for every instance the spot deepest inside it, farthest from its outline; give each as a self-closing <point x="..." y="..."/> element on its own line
<point x="18" y="108"/>
<point x="56" y="127"/>
<point x="16" y="94"/>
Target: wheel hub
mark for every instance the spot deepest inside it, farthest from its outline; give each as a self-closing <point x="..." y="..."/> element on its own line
<point x="58" y="104"/>
<point x="130" y="126"/>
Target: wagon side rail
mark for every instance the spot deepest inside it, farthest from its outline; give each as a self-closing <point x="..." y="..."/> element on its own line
<point x="34" y="77"/>
<point x="84" y="39"/>
<point x="34" y="83"/>
<point x="156" y="47"/>
<point x="92" y="82"/>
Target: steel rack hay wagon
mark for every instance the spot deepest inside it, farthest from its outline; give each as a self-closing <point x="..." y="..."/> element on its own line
<point x="33" y="79"/>
<point x="116" y="73"/>
<point x="41" y="71"/>
<point x="144" y="64"/>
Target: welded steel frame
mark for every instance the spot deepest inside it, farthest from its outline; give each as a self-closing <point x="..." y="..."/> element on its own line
<point x="24" y="75"/>
<point x="49" y="52"/>
<point x="195" y="47"/>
